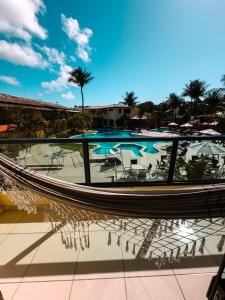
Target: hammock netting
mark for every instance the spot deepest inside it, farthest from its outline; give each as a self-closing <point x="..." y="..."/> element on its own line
<point x="164" y="237"/>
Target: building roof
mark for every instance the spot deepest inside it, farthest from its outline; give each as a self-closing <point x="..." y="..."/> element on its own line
<point x="10" y="100"/>
<point x="7" y="127"/>
<point x="107" y="106"/>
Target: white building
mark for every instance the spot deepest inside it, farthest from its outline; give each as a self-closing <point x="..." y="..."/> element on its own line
<point x="109" y="115"/>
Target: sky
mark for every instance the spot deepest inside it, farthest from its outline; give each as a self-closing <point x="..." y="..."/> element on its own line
<point x="151" y="47"/>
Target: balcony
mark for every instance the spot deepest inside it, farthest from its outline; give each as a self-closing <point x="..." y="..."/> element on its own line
<point x="59" y="249"/>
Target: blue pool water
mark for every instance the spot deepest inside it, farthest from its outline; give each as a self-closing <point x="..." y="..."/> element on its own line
<point x="109" y="147"/>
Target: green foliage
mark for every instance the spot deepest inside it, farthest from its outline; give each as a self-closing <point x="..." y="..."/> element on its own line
<point x="80" y="120"/>
<point x="213" y="99"/>
<point x="195" y="90"/>
<point x="130" y="99"/>
<point x="196" y="170"/>
<point x="223" y="79"/>
<point x="62" y="135"/>
<point x="148" y="107"/>
<point x="193" y="170"/>
<point x="174" y="102"/>
<point x="80" y="77"/>
<point x="75" y="147"/>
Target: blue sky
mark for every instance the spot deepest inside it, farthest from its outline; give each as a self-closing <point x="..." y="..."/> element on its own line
<point x="152" y="47"/>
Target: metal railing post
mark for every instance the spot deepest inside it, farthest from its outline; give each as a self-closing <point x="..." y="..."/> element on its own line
<point x="87" y="171"/>
<point x="173" y="161"/>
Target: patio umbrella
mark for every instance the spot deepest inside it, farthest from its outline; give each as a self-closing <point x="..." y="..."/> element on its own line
<point x="207" y="148"/>
<point x="173" y="124"/>
<point x="186" y="125"/>
<point x="135" y="118"/>
<point x="210" y="132"/>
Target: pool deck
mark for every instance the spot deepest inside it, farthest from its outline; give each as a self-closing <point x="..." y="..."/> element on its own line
<point x="73" y="166"/>
<point x="68" y="165"/>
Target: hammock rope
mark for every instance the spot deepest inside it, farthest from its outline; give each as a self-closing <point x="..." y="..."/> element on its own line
<point x="146" y="229"/>
<point x="198" y="201"/>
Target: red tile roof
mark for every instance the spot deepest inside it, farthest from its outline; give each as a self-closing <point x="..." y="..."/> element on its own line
<point x="7" y="127"/>
<point x="10" y="100"/>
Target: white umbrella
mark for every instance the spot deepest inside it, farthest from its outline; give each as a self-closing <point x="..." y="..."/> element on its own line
<point x="135" y="118"/>
<point x="207" y="148"/>
<point x="210" y="132"/>
<point x="173" y="124"/>
<point x="186" y="125"/>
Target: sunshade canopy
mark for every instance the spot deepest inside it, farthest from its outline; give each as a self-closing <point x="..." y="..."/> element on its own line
<point x="186" y="125"/>
<point x="173" y="124"/>
<point x="210" y="132"/>
<point x="208" y="148"/>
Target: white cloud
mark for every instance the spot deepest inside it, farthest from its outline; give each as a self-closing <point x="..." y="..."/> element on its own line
<point x="54" y="56"/>
<point x="9" y="80"/>
<point x="83" y="54"/>
<point x="21" y="55"/>
<point x="72" y="58"/>
<point x="68" y="96"/>
<point x="80" y="36"/>
<point x="18" y="18"/>
<point x="61" y="82"/>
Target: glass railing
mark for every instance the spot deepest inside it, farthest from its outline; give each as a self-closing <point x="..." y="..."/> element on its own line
<point x="123" y="161"/>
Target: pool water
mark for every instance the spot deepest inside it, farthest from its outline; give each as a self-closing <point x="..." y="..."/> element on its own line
<point x="104" y="148"/>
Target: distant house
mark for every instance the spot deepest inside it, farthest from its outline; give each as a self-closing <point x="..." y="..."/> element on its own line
<point x="7" y="127"/>
<point x="7" y="101"/>
<point x="110" y="116"/>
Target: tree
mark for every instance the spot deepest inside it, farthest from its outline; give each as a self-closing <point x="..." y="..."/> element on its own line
<point x="223" y="79"/>
<point x="174" y="102"/>
<point x="130" y="99"/>
<point x="80" y="120"/>
<point x="213" y="99"/>
<point x="146" y="107"/>
<point x="195" y="90"/>
<point x="80" y="77"/>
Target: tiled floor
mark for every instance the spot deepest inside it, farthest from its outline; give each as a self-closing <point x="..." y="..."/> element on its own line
<point x="34" y="264"/>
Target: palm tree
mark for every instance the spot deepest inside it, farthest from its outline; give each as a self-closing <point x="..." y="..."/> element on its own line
<point x="130" y="99"/>
<point x="223" y="79"/>
<point x="195" y="90"/>
<point x="213" y="99"/>
<point x="80" y="77"/>
<point x="174" y="102"/>
<point x="146" y="107"/>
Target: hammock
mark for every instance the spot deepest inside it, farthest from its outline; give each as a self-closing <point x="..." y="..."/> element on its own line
<point x="152" y="224"/>
<point x="184" y="202"/>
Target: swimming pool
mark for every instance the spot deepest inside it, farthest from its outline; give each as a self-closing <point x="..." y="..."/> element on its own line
<point x="104" y="148"/>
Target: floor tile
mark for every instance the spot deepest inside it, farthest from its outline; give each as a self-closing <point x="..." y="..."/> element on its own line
<point x="9" y="220"/>
<point x="24" y="227"/>
<point x="2" y="237"/>
<point x="52" y="261"/>
<point x="56" y="290"/>
<point x="195" y="286"/>
<point x="152" y="288"/>
<point x="7" y="290"/>
<point x="198" y="264"/>
<point x="136" y="266"/>
<point x="90" y="227"/>
<point x="99" y="289"/>
<point x="99" y="260"/>
<point x="17" y="252"/>
<point x="211" y="246"/>
<point x="11" y="216"/>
